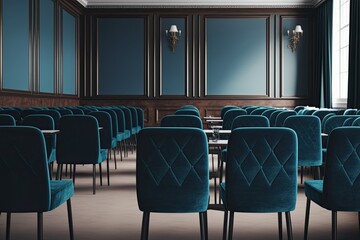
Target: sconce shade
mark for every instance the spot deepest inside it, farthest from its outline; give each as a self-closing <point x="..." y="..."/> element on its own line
<point x="173" y="28"/>
<point x="298" y="29"/>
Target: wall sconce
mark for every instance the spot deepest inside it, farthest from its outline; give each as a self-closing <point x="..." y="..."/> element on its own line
<point x="295" y="38"/>
<point x="173" y="36"/>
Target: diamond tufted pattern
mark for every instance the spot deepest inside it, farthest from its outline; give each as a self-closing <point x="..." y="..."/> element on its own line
<point x="308" y="130"/>
<point x="261" y="170"/>
<point x="172" y="172"/>
<point x="334" y="122"/>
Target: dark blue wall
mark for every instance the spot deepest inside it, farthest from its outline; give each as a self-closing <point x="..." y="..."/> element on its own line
<point x="236" y="55"/>
<point x="173" y="64"/>
<point x="15" y="44"/>
<point x="121" y="56"/>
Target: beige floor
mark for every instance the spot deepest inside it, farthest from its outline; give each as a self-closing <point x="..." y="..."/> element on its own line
<point x="113" y="214"/>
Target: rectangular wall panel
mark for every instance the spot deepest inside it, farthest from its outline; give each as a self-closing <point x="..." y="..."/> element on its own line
<point x="173" y="63"/>
<point x="236" y="56"/>
<point x="15" y="44"/>
<point x="47" y="46"/>
<point x="121" y="56"/>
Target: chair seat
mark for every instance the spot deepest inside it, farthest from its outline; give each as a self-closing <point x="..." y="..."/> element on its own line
<point x="113" y="142"/>
<point x="127" y="134"/>
<point x="134" y="130"/>
<point x="61" y="191"/>
<point x="314" y="191"/>
<point x="52" y="156"/>
<point x="102" y="155"/>
<point x="309" y="163"/>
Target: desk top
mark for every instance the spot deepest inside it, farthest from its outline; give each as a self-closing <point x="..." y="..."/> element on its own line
<point x="219" y="142"/>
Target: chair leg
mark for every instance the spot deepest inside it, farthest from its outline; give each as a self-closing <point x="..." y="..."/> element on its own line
<point x="107" y="171"/>
<point x="231" y="225"/>
<point x="288" y="225"/>
<point x="318" y="175"/>
<point x="145" y="226"/>
<point x="114" y="151"/>
<point x="226" y="214"/>
<point x="58" y="172"/>
<point x="94" y="178"/>
<point x="359" y="220"/>
<point x="100" y="172"/>
<point x="8" y="223"/>
<point x="71" y="228"/>
<point x="74" y="173"/>
<point x="40" y="225"/>
<point x="280" y="225"/>
<point x="334" y="225"/>
<point x="307" y="214"/>
<point x="301" y="174"/>
<point x="206" y="222"/>
<point x="203" y="228"/>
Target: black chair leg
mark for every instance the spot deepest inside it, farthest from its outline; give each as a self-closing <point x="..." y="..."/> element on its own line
<point x="280" y="225"/>
<point x="145" y="226"/>
<point x="301" y="174"/>
<point x="359" y="221"/>
<point x="114" y="150"/>
<point x="203" y="227"/>
<point x="307" y="215"/>
<point x="107" y="171"/>
<point x="57" y="177"/>
<point x="318" y="175"/>
<point x="71" y="228"/>
<point x="100" y="172"/>
<point x="288" y="225"/>
<point x="94" y="178"/>
<point x="74" y="173"/>
<point x="206" y="223"/>
<point x="334" y="225"/>
<point x="231" y="225"/>
<point x="40" y="225"/>
<point x="226" y="216"/>
<point x="8" y="223"/>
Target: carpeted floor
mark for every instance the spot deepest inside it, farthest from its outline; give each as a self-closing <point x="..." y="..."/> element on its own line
<point x="113" y="214"/>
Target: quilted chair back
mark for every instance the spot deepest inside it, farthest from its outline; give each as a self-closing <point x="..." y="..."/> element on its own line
<point x="114" y="121"/>
<point x="261" y="170"/>
<point x="342" y="170"/>
<point x="308" y="131"/>
<point x="7" y="120"/>
<point x="172" y="170"/>
<point x="334" y="122"/>
<point x="250" y="121"/>
<point x="78" y="141"/>
<point x="230" y="116"/>
<point x="104" y="121"/>
<point x="24" y="177"/>
<point x="281" y="117"/>
<point x="43" y="122"/>
<point x="322" y="113"/>
<point x="273" y="117"/>
<point x="181" y="121"/>
<point x="187" y="112"/>
<point x="268" y="112"/>
<point x="227" y="108"/>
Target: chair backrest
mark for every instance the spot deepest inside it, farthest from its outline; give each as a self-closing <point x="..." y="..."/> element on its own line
<point x="128" y="118"/>
<point x="325" y="119"/>
<point x="350" y="112"/>
<point x="334" y="122"/>
<point x="225" y="109"/>
<point x="181" y="121"/>
<point x="77" y="111"/>
<point x="7" y="120"/>
<point x="28" y="111"/>
<point x="250" y="121"/>
<point x="14" y="113"/>
<point x="78" y="140"/>
<point x="268" y="112"/>
<point x="140" y="113"/>
<point x="104" y="121"/>
<point x="43" y="122"/>
<point x="230" y="115"/>
<point x="64" y="112"/>
<point x="349" y="121"/>
<point x="308" y="130"/>
<point x="187" y="112"/>
<point x="342" y="170"/>
<point x="54" y="114"/>
<point x="273" y="117"/>
<point x="249" y="110"/>
<point x="298" y="108"/>
<point x="114" y="121"/>
<point x="356" y="122"/>
<point x="281" y="117"/>
<point x="120" y="119"/>
<point x="172" y="170"/>
<point x="321" y="113"/>
<point x="134" y="117"/>
<point x="190" y="107"/>
<point x="259" y="111"/>
<point x="261" y="170"/>
<point x="24" y="177"/>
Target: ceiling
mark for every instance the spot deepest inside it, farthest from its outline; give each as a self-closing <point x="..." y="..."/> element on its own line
<point x="201" y="3"/>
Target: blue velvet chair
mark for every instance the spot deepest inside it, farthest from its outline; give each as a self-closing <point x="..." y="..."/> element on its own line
<point x="308" y="130"/>
<point x="24" y="177"/>
<point x="7" y="120"/>
<point x="281" y="117"/>
<point x="350" y="112"/>
<point x="79" y="143"/>
<point x="273" y="117"/>
<point x="261" y="174"/>
<point x="298" y="108"/>
<point x="259" y="111"/>
<point x="250" y="121"/>
<point x="356" y="122"/>
<point x="54" y="114"/>
<point x="123" y="133"/>
<point x="14" y="113"/>
<point x="114" y="125"/>
<point x="227" y="108"/>
<point x="193" y="112"/>
<point x="268" y="112"/>
<point x="140" y="113"/>
<point x="128" y="126"/>
<point x="172" y="173"/>
<point x="107" y="142"/>
<point x="229" y="117"/>
<point x="339" y="191"/>
<point x="181" y="121"/>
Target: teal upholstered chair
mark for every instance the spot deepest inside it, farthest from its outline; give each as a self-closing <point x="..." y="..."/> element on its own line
<point x="7" y="120"/>
<point x="123" y="133"/>
<point x="140" y="113"/>
<point x="273" y="117"/>
<point x="261" y="174"/>
<point x="172" y="173"/>
<point x="24" y="177"/>
<point x="107" y="142"/>
<point x="339" y="191"/>
<point x="54" y="114"/>
<point x="79" y="143"/>
<point x="181" y="121"/>
<point x="259" y="111"/>
<point x="298" y="108"/>
<point x="356" y="122"/>
<point x="44" y="122"/>
<point x="308" y="131"/>
<point x="230" y="115"/>
<point x="14" y="113"/>
<point x="193" y="112"/>
<point x="268" y="112"/>
<point x="114" y="126"/>
<point x="350" y="112"/>
<point x="227" y="108"/>
<point x="281" y="117"/>
<point x="190" y="107"/>
<point x="250" y="121"/>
